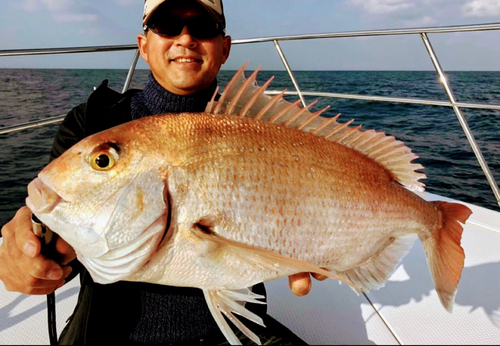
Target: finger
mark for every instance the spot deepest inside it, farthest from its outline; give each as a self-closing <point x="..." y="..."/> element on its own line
<point x="43" y="291"/>
<point x="319" y="277"/>
<point x="39" y="288"/>
<point x="18" y="271"/>
<point x="38" y="267"/>
<point x="35" y="283"/>
<point x="26" y="240"/>
<point x="23" y="282"/>
<point x="67" y="252"/>
<point x="300" y="283"/>
<point x="45" y="282"/>
<point x="19" y="238"/>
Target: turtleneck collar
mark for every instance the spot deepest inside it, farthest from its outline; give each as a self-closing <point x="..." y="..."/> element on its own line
<point x="154" y="99"/>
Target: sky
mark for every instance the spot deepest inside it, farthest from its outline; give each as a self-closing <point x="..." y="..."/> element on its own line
<point x="26" y="24"/>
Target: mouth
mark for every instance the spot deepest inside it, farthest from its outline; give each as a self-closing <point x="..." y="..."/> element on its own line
<point x="42" y="201"/>
<point x="186" y="60"/>
<point x="41" y="197"/>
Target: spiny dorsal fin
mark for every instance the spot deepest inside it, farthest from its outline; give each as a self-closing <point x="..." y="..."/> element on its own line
<point x="243" y="97"/>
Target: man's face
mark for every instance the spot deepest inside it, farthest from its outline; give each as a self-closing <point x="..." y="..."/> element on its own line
<point x="184" y="64"/>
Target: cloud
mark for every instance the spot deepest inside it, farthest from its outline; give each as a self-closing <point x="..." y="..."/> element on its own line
<point x="481" y="8"/>
<point x="62" y="11"/>
<point x="383" y="6"/>
<point x="30" y="5"/>
<point x="420" y="21"/>
<point x="56" y="5"/>
<point x="76" y="17"/>
<point x="90" y="32"/>
<point x="426" y="12"/>
<point x="125" y="2"/>
<point x="82" y="17"/>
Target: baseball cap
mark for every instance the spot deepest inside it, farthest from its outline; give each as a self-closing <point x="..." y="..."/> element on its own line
<point x="213" y="7"/>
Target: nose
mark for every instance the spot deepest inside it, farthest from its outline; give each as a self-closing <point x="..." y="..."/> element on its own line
<point x="185" y="39"/>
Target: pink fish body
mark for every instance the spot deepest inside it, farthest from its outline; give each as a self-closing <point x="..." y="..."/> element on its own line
<point x="252" y="190"/>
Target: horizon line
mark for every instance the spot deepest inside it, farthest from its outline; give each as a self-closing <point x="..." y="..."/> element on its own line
<point x="262" y="70"/>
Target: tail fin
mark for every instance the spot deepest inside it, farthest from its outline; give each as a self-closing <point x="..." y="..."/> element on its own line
<point x="444" y="254"/>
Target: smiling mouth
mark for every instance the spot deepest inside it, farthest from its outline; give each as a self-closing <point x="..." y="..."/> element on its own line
<point x="186" y="60"/>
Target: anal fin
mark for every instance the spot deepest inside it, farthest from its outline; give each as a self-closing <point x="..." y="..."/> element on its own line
<point x="376" y="271"/>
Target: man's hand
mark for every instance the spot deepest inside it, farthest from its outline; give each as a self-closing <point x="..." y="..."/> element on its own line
<point x="22" y="268"/>
<point x="301" y="283"/>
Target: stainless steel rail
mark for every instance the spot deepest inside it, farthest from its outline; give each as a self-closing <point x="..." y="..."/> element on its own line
<point x="289" y="70"/>
<point x="385" y="32"/>
<point x="461" y="118"/>
<point x="423" y="32"/>
<point x="45" y="51"/>
<point x="424" y="102"/>
<point x="131" y="71"/>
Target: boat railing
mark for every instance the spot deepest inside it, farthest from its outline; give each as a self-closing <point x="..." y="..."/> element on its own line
<point x="422" y="32"/>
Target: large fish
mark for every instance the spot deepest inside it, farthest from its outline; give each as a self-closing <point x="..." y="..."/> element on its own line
<point x="254" y="189"/>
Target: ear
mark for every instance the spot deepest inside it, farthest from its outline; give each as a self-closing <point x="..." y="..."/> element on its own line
<point x="142" y="43"/>
<point x="226" y="48"/>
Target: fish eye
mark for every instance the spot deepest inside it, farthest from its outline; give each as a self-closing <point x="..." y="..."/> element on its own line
<point x="103" y="161"/>
<point x="103" y="158"/>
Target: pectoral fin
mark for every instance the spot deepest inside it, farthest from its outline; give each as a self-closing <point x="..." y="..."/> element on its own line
<point x="264" y="259"/>
<point x="230" y="302"/>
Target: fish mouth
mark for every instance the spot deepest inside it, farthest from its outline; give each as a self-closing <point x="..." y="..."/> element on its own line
<point x="41" y="198"/>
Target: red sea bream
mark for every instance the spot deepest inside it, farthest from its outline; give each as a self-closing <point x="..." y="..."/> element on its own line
<point x="254" y="189"/>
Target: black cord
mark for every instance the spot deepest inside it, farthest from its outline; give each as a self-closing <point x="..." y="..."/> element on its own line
<point x="48" y="249"/>
<point x="51" y="315"/>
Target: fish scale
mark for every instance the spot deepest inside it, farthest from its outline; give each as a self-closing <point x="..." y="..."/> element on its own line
<point x="256" y="188"/>
<point x="280" y="188"/>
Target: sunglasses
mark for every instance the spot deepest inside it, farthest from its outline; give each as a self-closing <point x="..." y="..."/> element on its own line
<point x="199" y="27"/>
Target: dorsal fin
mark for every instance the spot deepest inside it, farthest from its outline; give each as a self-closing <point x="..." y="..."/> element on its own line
<point x="242" y="97"/>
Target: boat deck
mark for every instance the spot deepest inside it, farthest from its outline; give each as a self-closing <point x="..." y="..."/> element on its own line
<point x="405" y="311"/>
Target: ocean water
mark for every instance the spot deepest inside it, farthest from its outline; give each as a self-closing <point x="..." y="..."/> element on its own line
<point x="432" y="132"/>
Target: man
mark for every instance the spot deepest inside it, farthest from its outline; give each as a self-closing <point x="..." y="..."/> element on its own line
<point x="184" y="44"/>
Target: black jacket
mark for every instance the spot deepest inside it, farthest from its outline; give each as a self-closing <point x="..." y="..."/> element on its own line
<point x="121" y="312"/>
<point x="104" y="109"/>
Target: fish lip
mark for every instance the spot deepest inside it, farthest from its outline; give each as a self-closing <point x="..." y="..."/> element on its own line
<point x="41" y="197"/>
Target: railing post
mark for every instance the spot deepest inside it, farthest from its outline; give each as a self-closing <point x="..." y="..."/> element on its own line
<point x="131" y="71"/>
<point x="289" y="70"/>
<point x="461" y="118"/>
